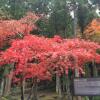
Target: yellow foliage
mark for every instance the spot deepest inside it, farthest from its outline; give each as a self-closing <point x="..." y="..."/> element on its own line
<point x="93" y="30"/>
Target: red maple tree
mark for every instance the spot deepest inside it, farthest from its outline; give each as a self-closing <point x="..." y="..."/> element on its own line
<point x="42" y="57"/>
<point x="11" y="29"/>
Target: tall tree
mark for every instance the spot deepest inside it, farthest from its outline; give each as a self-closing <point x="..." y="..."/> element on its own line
<point x="85" y="16"/>
<point x="60" y="20"/>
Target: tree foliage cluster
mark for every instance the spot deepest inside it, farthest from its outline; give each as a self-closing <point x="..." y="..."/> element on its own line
<point x="92" y="31"/>
<point x="56" y="14"/>
<point x="35" y="58"/>
<point x="39" y="58"/>
<point x="12" y="29"/>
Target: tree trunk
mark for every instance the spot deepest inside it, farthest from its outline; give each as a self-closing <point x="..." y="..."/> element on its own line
<point x="2" y="87"/>
<point x="58" y="87"/>
<point x="29" y="96"/>
<point x="64" y="84"/>
<point x="35" y="93"/>
<point x="6" y="81"/>
<point x="69" y="97"/>
<point x="95" y="72"/>
<point x="22" y="89"/>
<point x="10" y="79"/>
<point x="77" y="75"/>
<point x="6" y="86"/>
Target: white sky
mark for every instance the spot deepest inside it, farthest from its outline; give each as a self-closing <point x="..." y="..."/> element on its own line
<point x="98" y="12"/>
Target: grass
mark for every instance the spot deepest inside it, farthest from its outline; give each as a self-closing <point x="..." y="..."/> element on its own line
<point x="43" y="95"/>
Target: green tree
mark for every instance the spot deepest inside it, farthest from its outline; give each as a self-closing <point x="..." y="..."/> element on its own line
<point x="85" y="16"/>
<point x="16" y="8"/>
<point x="60" y="23"/>
<point x="41" y="6"/>
<point x="95" y="1"/>
<point x="58" y="19"/>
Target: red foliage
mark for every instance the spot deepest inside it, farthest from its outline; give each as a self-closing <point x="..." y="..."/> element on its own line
<point x="43" y="57"/>
<point x="10" y="29"/>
